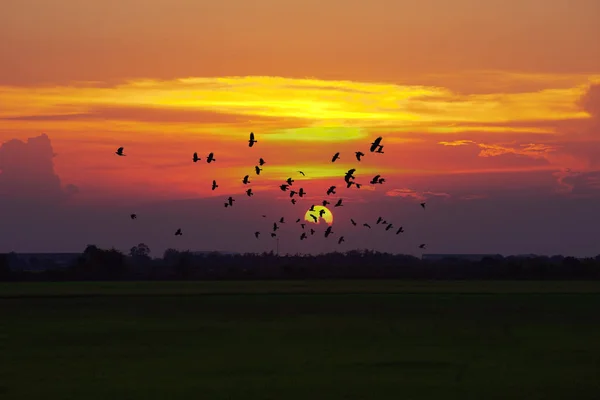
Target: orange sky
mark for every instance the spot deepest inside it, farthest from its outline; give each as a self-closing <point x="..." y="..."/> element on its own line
<point x="463" y="89"/>
<point x="379" y="40"/>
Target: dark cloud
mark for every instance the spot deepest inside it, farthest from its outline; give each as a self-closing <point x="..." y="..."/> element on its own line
<point x="53" y="117"/>
<point x="145" y="114"/>
<point x="510" y="223"/>
<point x="583" y="184"/>
<point x="582" y="141"/>
<point x="591" y="101"/>
<point x="27" y="172"/>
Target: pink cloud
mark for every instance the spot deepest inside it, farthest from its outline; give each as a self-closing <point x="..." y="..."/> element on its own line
<point x="413" y="194"/>
<point x="457" y="143"/>
<point x="533" y="150"/>
<point x="474" y="197"/>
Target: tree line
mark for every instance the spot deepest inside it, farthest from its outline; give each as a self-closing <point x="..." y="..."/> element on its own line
<point x="96" y="264"/>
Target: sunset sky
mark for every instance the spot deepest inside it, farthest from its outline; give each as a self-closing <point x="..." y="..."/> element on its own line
<point x="489" y="112"/>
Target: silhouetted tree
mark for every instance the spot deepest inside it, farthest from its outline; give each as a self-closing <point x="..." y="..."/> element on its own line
<point x="5" y="272"/>
<point x="140" y="251"/>
<point x="99" y="264"/>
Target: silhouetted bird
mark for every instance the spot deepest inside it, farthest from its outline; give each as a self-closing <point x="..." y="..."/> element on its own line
<point x="400" y="230"/>
<point x="178" y="232"/>
<point x="384" y="222"/>
<point x="261" y="162"/>
<point x="298" y="220"/>
<point x="275" y="227"/>
<point x="312" y="208"/>
<point x="303" y="226"/>
<point x="380" y="180"/>
<point x="301" y="192"/>
<point x="313" y="216"/>
<point x="230" y="200"/>
<point x="249" y="192"/>
<point x="257" y="170"/>
<point x="341" y="240"/>
<point x="321" y="213"/>
<point x="252" y="141"/>
<point x="375" y="143"/>
<point x="422" y="246"/>
<point x="293" y="201"/>
<point x="303" y="236"/>
<point x="379" y="150"/>
<point x="339" y="203"/>
<point x="349" y="183"/>
<point x="349" y="174"/>
<point x="264" y="216"/>
<point x="119" y="152"/>
<point x="379" y="220"/>
<point x="387" y="228"/>
<point x="336" y="156"/>
<point x="226" y="204"/>
<point x="303" y="174"/>
<point x="256" y="234"/>
<point x="210" y="158"/>
<point x="423" y="205"/>
<point x="246" y="180"/>
<point x="358" y="185"/>
<point x="290" y="181"/>
<point x="328" y="231"/>
<point x="283" y="187"/>
<point x="325" y="202"/>
<point x="273" y="234"/>
<point x="359" y="154"/>
<point x="367" y="225"/>
<point x="133" y="216"/>
<point x="292" y="193"/>
<point x="195" y="158"/>
<point x="312" y="231"/>
<point x="214" y="185"/>
<point x="353" y="223"/>
<point x="331" y="190"/>
<point x="281" y="220"/>
<point x="375" y="179"/>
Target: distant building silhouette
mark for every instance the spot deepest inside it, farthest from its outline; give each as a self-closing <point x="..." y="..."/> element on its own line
<point x="40" y="261"/>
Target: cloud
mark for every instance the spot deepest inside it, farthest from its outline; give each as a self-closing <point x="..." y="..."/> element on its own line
<point x="494" y="81"/>
<point x="48" y="117"/>
<point x="145" y="114"/>
<point x="579" y="143"/>
<point x="298" y="120"/>
<point x="413" y="194"/>
<point x="330" y="104"/>
<point x="590" y="101"/>
<point x="474" y="197"/>
<point x="27" y="172"/>
<point x="457" y="143"/>
<point x="532" y="150"/>
<point x="513" y="224"/>
<point x="536" y="151"/>
<point x="579" y="184"/>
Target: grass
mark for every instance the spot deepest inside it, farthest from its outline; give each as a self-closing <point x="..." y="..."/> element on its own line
<point x="297" y="340"/>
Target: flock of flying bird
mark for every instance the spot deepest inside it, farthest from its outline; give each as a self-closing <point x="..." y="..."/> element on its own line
<point x="376" y="147"/>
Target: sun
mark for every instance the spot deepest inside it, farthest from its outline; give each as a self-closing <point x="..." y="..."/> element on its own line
<point x="327" y="215"/>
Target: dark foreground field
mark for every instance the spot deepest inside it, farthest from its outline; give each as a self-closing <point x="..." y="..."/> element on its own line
<point x="298" y="340"/>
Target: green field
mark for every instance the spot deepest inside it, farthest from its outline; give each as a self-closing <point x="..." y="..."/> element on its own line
<point x="299" y="340"/>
